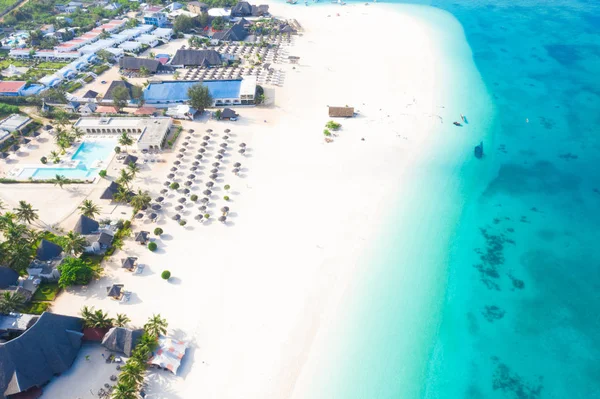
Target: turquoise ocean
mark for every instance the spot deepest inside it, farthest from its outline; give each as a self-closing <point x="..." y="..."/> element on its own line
<point x="512" y="304"/>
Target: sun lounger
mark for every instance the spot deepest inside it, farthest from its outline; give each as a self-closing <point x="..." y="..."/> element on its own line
<point x="140" y="269"/>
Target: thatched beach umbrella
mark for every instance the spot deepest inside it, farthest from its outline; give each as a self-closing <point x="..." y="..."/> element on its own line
<point x="214" y="176"/>
<point x="173" y="169"/>
<point x="226" y="137"/>
<point x="215" y="170"/>
<point x="179" y="207"/>
<point x="236" y="171"/>
<point x="195" y="163"/>
<point x="181" y="200"/>
<point x="237" y="165"/>
<point x="225" y="209"/>
<point x="4" y="155"/>
<point x="188" y="183"/>
<point x="207" y="192"/>
<point x="164" y="191"/>
<point x="185" y="191"/>
<point x="198" y="156"/>
<point x="202" y="208"/>
<point x="242" y="151"/>
<point x="185" y="143"/>
<point x="206" y="138"/>
<point x="205" y="200"/>
<point x="204" y="144"/>
<point x="243" y="145"/>
<point x="156" y="207"/>
<point x="171" y="175"/>
<point x="202" y="150"/>
<point x="182" y="150"/>
<point x="153" y="216"/>
<point x="177" y="163"/>
<point x="221" y="151"/>
<point x="219" y="156"/>
<point x="188" y="137"/>
<point x="190" y="130"/>
<point x="216" y="164"/>
<point x="191" y="176"/>
<point x="177" y="217"/>
<point x="209" y="184"/>
<point x="167" y="183"/>
<point x="139" y="216"/>
<point x="209" y="130"/>
<point x="222" y="219"/>
<point x="193" y="168"/>
<point x="179" y="155"/>
<point x="227" y="130"/>
<point x="223" y="145"/>
<point x="159" y="199"/>
<point x="199" y="217"/>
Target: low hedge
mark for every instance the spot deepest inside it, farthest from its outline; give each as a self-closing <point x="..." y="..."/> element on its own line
<point x="4" y="180"/>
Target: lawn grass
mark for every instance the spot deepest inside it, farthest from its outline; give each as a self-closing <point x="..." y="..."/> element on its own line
<point x="100" y="68"/>
<point x="46" y="292"/>
<point x="35" y="307"/>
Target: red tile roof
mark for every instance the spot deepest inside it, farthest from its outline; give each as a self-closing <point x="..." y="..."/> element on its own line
<point x="11" y="86"/>
<point x="145" y="111"/>
<point x="103" y="109"/>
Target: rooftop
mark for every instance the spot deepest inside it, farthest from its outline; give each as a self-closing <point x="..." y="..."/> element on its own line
<point x="11" y="86"/>
<point x="13" y="122"/>
<point x="177" y="90"/>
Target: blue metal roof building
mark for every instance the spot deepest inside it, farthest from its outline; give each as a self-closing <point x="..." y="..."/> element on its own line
<point x="223" y="92"/>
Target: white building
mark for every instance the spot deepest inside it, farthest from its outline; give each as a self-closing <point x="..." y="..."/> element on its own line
<point x="151" y="133"/>
<point x="131" y="46"/>
<point x="163" y="33"/>
<point x="149" y="40"/>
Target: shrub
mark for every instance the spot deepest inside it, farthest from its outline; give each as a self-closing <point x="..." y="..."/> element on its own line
<point x="326" y="132"/>
<point x="182" y="222"/>
<point x="194" y="198"/>
<point x="333" y="125"/>
<point x="206" y="216"/>
<point x="227" y="187"/>
<point x="174" y="186"/>
<point x="127" y="224"/>
<point x="102" y="173"/>
<point x="165" y="275"/>
<point x="158" y="231"/>
<point x="152" y="246"/>
<point x="44" y="160"/>
<point x="226" y="198"/>
<point x="117" y="149"/>
<point x="76" y="271"/>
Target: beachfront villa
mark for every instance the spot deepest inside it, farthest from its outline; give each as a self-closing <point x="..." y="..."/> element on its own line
<point x="152" y="132"/>
<point x="197" y="58"/>
<point x="224" y="92"/>
<point x="47" y="348"/>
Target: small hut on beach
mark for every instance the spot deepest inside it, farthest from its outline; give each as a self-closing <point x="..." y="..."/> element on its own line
<point x="341" y="112"/>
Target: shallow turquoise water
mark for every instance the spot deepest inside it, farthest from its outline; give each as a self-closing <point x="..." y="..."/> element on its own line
<point x="519" y="315"/>
<point x="87" y="154"/>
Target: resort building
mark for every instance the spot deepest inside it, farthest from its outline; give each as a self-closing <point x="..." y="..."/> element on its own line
<point x="11" y="88"/>
<point x="146" y="39"/>
<point x="236" y="33"/>
<point x="163" y="33"/>
<point x="133" y="47"/>
<point x="152" y="132"/>
<point x="157" y="19"/>
<point x="244" y="9"/>
<point x="47" y="348"/>
<point x="196" y="7"/>
<point x="197" y="58"/>
<point x="224" y="92"/>
<point x="13" y="123"/>
<point x="182" y="111"/>
<point x="135" y="64"/>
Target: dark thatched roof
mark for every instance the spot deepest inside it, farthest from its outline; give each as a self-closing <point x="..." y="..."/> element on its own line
<point x="105" y="239"/>
<point x="134" y="64"/>
<point x="121" y="339"/>
<point x="46" y="349"/>
<point x="90" y="94"/>
<point x="129" y="262"/>
<point x="235" y="33"/>
<point x="142" y="236"/>
<point x="48" y="250"/>
<point x="130" y="159"/>
<point x="86" y="225"/>
<point x="241" y="9"/>
<point x="8" y="277"/>
<point x="197" y="58"/>
<point x="110" y="191"/>
<point x="114" y="85"/>
<point x="228" y="113"/>
<point x="341" y="112"/>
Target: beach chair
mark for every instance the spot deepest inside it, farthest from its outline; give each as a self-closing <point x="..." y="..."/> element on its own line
<point x="126" y="297"/>
<point x="140" y="269"/>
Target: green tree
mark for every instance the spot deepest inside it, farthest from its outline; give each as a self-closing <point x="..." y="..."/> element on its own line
<point x="137" y="92"/>
<point x="89" y="209"/>
<point x="122" y="195"/>
<point x="125" y="178"/>
<point x="165" y="275"/>
<point x="158" y="231"/>
<point x="120" y="98"/>
<point x="76" y="271"/>
<point x="218" y="23"/>
<point x="183" y="23"/>
<point x="74" y="243"/>
<point x="25" y="212"/>
<point x="102" y="173"/>
<point x="144" y="72"/>
<point x="174" y="186"/>
<point x="95" y="318"/>
<point x="140" y="200"/>
<point x="55" y="156"/>
<point x="133" y="169"/>
<point x="156" y="326"/>
<point x="11" y="302"/>
<point x="125" y="390"/>
<point x="133" y="372"/>
<point x="122" y="320"/>
<point x="104" y="34"/>
<point x="60" y="180"/>
<point x="105" y="56"/>
<point x="200" y="97"/>
<point x="333" y="125"/>
<point x="152" y="246"/>
<point x="125" y="140"/>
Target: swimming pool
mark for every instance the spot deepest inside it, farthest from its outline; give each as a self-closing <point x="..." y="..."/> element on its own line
<point x="89" y="158"/>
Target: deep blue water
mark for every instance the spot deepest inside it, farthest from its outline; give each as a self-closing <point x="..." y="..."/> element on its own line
<point x="521" y="317"/>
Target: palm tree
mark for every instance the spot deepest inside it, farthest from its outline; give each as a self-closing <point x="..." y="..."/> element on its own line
<point x="125" y="140"/>
<point x="10" y="302"/>
<point x="156" y="326"/>
<point x="89" y="209"/>
<point x="125" y="178"/>
<point x="122" y="195"/>
<point x="133" y="372"/>
<point x="77" y="133"/>
<point x="60" y="180"/>
<point x="125" y="391"/>
<point x="25" y="212"/>
<point x="87" y="314"/>
<point x="133" y="169"/>
<point x="55" y="156"/>
<point x="2" y="206"/>
<point x="122" y="320"/>
<point x="74" y="243"/>
<point x="100" y="319"/>
<point x="140" y="200"/>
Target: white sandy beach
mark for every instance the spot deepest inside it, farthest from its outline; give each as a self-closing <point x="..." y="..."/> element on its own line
<point x="252" y="296"/>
